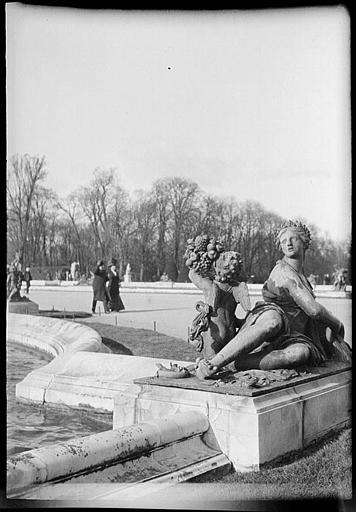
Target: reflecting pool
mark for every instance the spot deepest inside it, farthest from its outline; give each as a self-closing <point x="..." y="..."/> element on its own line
<point x="33" y="426"/>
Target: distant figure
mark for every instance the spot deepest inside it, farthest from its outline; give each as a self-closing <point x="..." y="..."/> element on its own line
<point x="326" y="279"/>
<point x="164" y="277"/>
<point x="74" y="270"/>
<point x="342" y="279"/>
<point x="17" y="262"/>
<point x="13" y="283"/>
<point x="127" y="276"/>
<point x="99" y="287"/>
<point x="61" y="275"/>
<point x="339" y="278"/>
<point x="113" y="285"/>
<point x="27" y="278"/>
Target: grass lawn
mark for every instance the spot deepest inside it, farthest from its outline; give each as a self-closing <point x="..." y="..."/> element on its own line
<point x="143" y="342"/>
<point x="322" y="470"/>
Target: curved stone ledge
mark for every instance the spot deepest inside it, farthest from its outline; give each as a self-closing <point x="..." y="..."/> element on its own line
<point x="84" y="374"/>
<point x="53" y="335"/>
<point x="86" y="453"/>
<point x="86" y="380"/>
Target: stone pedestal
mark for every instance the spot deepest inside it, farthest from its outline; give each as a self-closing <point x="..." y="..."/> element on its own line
<point x="251" y="426"/>
<point x="23" y="307"/>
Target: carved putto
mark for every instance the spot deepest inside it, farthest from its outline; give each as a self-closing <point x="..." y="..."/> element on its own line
<point x="216" y="273"/>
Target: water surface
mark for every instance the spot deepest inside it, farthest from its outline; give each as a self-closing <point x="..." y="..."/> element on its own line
<point x="33" y="426"/>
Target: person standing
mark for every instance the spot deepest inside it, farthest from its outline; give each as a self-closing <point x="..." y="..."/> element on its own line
<point x="27" y="278"/>
<point x="114" y="287"/>
<point x="99" y="287"/>
<point x="14" y="281"/>
<point x="74" y="270"/>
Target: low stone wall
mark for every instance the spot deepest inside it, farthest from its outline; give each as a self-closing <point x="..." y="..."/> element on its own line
<point x="84" y="374"/>
<point x="86" y="380"/>
<point x="53" y="335"/>
<point x="172" y="287"/>
<point x="115" y="447"/>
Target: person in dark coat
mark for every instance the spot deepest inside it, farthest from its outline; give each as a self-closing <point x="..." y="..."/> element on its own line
<point x="99" y="287"/>
<point x="114" y="287"/>
<point x="27" y="278"/>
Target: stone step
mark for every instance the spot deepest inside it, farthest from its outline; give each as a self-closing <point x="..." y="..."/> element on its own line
<point x="137" y="477"/>
<point x="129" y="461"/>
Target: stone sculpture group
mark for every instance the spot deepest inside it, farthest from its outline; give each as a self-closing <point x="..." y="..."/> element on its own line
<point x="288" y="330"/>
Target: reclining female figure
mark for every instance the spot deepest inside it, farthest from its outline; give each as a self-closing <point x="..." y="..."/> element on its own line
<point x="289" y="328"/>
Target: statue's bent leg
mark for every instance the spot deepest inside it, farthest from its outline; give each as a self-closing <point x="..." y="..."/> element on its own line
<point x="289" y="357"/>
<point x="269" y="359"/>
<point x="265" y="328"/>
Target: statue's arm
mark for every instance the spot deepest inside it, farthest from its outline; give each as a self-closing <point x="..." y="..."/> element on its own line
<point x="203" y="283"/>
<point x="305" y="300"/>
<point x="207" y="286"/>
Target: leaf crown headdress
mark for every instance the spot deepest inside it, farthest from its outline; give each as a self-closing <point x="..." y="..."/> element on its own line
<point x="299" y="228"/>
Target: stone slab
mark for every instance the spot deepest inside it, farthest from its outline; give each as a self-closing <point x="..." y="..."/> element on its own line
<point x="113" y="485"/>
<point x="220" y="383"/>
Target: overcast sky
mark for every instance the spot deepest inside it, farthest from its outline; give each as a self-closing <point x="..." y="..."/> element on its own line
<point x="251" y="104"/>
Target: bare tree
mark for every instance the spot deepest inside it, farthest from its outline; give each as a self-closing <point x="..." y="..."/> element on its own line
<point x="24" y="177"/>
<point x="145" y="231"/>
<point x="43" y="209"/>
<point x="228" y="223"/>
<point x="122" y="224"/>
<point x="210" y="210"/>
<point x="96" y="201"/>
<point x="101" y="220"/>
<point x="183" y="203"/>
<point x="160" y="197"/>
<point x="71" y="207"/>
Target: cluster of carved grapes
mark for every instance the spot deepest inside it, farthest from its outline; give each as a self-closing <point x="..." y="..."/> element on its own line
<point x="201" y="253"/>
